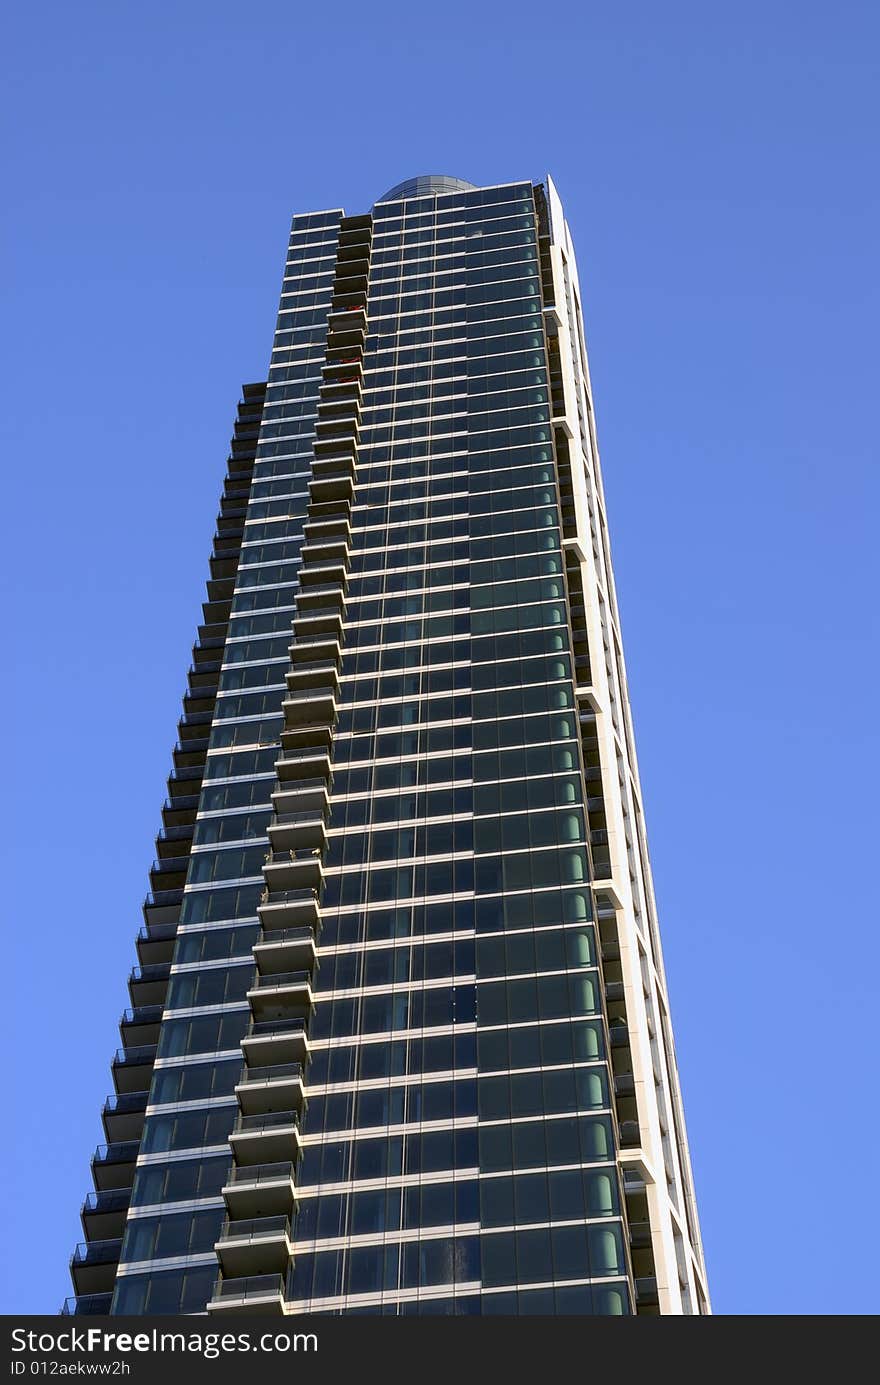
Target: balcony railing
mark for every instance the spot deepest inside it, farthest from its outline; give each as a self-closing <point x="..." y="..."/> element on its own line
<point x="142" y="1014"/>
<point x="261" y="1173"/>
<point x="182" y="803"/>
<point x="300" y="757"/>
<point x="646" y="1290"/>
<point x="110" y="1200"/>
<point x="630" y="1135"/>
<point x="157" y="932"/>
<point x="274" y="937"/>
<point x="255" y="1286"/>
<point x="292" y="819"/>
<point x="278" y="1072"/>
<point x="281" y="949"/>
<point x="170" y="865"/>
<point x="158" y="899"/>
<point x="267" y="1029"/>
<point x="298" y="786"/>
<point x="125" y="1103"/>
<point x="131" y="1057"/>
<point x="289" y="896"/>
<point x="639" y="1234"/>
<point x="96" y="1252"/>
<point x="293" y="856"/>
<point x="255" y="1227"/>
<point x="86" y="1303"/>
<point x="155" y="971"/>
<point x="120" y="1152"/>
<point x="315" y="667"/>
<point x="282" y="979"/>
<point x="271" y="1120"/>
<point x="175" y="834"/>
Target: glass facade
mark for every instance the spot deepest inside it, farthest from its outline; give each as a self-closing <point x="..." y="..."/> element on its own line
<point x="392" y="1062"/>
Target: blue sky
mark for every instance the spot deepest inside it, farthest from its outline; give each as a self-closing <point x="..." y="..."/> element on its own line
<point x="718" y="168"/>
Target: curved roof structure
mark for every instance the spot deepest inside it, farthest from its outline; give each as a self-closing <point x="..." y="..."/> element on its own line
<point x="426" y="185"/>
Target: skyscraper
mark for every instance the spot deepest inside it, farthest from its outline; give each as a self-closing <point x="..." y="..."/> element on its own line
<point x="399" y="1038"/>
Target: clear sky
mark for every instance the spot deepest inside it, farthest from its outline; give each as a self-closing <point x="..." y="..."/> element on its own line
<point x="718" y="165"/>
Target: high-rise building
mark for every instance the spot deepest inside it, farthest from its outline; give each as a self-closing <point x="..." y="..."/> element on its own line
<point x="399" y="1037"/>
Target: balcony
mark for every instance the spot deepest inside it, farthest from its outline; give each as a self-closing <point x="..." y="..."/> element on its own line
<point x="254" y="1246"/>
<point x="284" y="950"/>
<point x="346" y="363"/>
<point x="303" y="764"/>
<point x="630" y="1135"/>
<point x="343" y="406"/>
<point x="348" y="325"/>
<point x="640" y="1235"/>
<point x="301" y="796"/>
<point x="646" y="1292"/>
<point x="148" y="985"/>
<point x="132" y="1068"/>
<point x="171" y="837"/>
<point x="351" y="282"/>
<point x="309" y="625"/>
<point x="269" y="1042"/>
<point x="336" y="441"/>
<point x="320" y="675"/>
<point x="633" y="1182"/>
<point x="342" y="387"/>
<point x="354" y="244"/>
<point x="93" y="1266"/>
<point x="295" y="870"/>
<point x="327" y="528"/>
<point x="356" y="226"/>
<point x="140" y="1025"/>
<point x="123" y="1116"/>
<point x="353" y="315"/>
<point x="314" y="736"/>
<point x="296" y="831"/>
<point x="335" y="485"/>
<point x="185" y="778"/>
<point x="278" y="1088"/>
<point x="175" y="864"/>
<point x="266" y="1136"/>
<point x="343" y="352"/>
<point x="103" y="1214"/>
<point x="315" y="649"/>
<point x="202" y="674"/>
<point x="346" y="330"/>
<point x="587" y="693"/>
<point x="320" y="571"/>
<point x="86" y="1304"/>
<point x="164" y="908"/>
<point x="281" y="995"/>
<point x="319" y="598"/>
<point x="261" y="1190"/>
<point x="113" y="1165"/>
<point x="318" y="705"/>
<point x="335" y="436"/>
<point x="169" y="873"/>
<point x="319" y="511"/>
<point x="262" y="1294"/>
<point x="347" y="298"/>
<point x="190" y="753"/>
<point x="324" y="553"/>
<point x="289" y="909"/>
<point x="180" y="811"/>
<point x="155" y="943"/>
